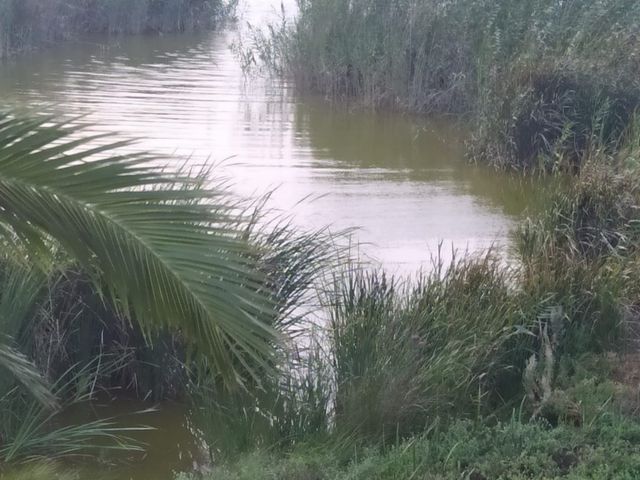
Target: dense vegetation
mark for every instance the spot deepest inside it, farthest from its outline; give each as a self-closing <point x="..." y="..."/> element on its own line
<point x="120" y="277"/>
<point x="478" y="370"/>
<point x="120" y="274"/>
<point x="26" y="24"/>
<point x="540" y="80"/>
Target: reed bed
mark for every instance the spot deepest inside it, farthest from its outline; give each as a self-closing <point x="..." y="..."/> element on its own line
<point x="538" y="80"/>
<point x="30" y="24"/>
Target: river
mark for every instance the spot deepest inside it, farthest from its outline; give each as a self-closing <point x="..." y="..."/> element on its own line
<point x="403" y="182"/>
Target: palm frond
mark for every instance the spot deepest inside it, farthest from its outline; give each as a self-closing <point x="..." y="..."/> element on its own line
<point x="167" y="249"/>
<point x="25" y="372"/>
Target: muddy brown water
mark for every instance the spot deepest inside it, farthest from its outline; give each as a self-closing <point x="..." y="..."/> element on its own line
<point x="402" y="181"/>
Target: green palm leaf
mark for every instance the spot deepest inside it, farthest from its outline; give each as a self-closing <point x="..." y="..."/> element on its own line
<point x="165" y="247"/>
<point x="27" y="374"/>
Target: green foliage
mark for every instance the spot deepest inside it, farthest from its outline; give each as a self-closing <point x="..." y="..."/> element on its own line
<point x="418" y="379"/>
<point x="168" y="251"/>
<point x="292" y="405"/>
<point x="543" y="80"/>
<point x="581" y="254"/>
<point x="601" y="442"/>
<point x="403" y="355"/>
<point x="467" y="450"/>
<point x="119" y="272"/>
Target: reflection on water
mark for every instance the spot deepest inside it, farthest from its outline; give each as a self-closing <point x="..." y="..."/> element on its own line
<point x="406" y="182"/>
<point x="403" y="181"/>
<point x="170" y="442"/>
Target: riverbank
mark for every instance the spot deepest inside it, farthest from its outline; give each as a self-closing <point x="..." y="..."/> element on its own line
<point x="543" y="83"/>
<point x="39" y="23"/>
<point x="477" y="371"/>
<point x="541" y="346"/>
<point x="475" y="352"/>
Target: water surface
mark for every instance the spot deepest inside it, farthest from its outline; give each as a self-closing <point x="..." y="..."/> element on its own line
<point x="403" y="182"/>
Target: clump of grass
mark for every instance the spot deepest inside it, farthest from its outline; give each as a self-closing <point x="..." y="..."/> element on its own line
<point x="581" y="254"/>
<point x="553" y="118"/>
<point x="281" y="412"/>
<point x="392" y="360"/>
<point x="404" y="355"/>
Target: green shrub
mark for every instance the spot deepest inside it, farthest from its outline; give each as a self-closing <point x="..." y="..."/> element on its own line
<point x="404" y="355"/>
<point x="466" y="450"/>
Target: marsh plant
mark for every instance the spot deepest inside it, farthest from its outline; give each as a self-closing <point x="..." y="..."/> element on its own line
<point x="539" y="80"/>
<point x="152" y="267"/>
<point x="479" y="352"/>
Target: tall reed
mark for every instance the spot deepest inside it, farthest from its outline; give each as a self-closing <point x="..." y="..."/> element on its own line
<point x="537" y="78"/>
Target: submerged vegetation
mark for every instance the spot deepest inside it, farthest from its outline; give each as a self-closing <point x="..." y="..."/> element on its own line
<point x="540" y="80"/>
<point x="35" y="23"/>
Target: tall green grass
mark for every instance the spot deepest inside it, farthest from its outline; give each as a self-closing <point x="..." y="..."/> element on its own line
<point x="541" y="78"/>
<point x="602" y="445"/>
<point x="405" y="355"/>
<point x="474" y="341"/>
